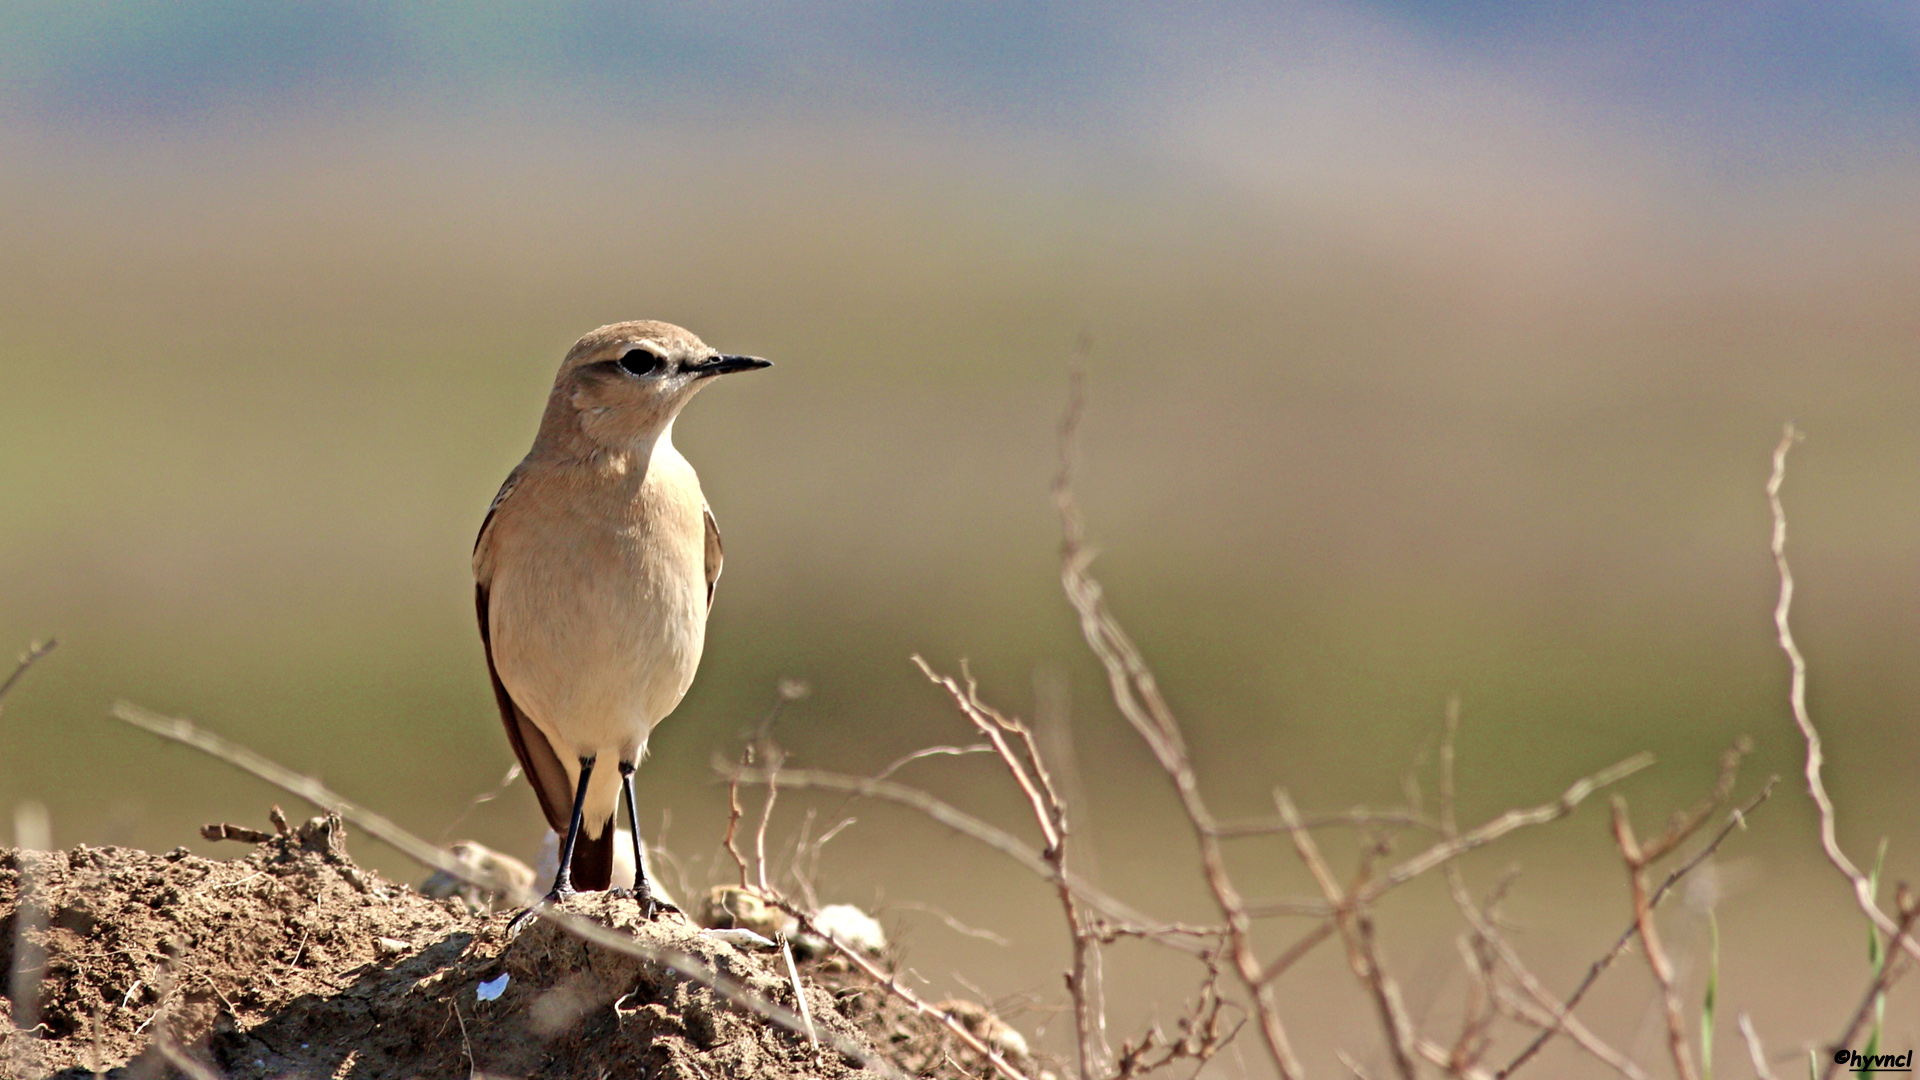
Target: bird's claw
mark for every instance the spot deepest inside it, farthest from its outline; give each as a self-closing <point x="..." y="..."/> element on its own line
<point x="559" y="894"/>
<point x="650" y="905"/>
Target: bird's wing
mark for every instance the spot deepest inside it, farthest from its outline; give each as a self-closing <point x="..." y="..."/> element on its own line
<point x="715" y="556"/>
<point x="592" y="859"/>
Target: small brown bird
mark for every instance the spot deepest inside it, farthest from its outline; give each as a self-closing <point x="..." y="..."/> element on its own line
<point x="593" y="573"/>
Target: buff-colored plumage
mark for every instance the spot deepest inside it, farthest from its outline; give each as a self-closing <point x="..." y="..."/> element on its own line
<point x="595" y="569"/>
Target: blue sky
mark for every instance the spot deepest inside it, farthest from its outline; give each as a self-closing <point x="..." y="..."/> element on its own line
<point x="1754" y="80"/>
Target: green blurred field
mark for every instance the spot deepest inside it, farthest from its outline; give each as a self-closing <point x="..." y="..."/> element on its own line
<point x="1349" y="451"/>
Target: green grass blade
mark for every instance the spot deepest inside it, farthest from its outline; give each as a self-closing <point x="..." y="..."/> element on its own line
<point x="1713" y="994"/>
<point x="1876" y="952"/>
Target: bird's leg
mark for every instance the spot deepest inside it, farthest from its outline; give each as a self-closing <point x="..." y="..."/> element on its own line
<point x="642" y="889"/>
<point x="562" y="881"/>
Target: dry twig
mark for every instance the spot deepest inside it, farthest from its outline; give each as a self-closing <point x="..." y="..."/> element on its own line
<point x="1359" y="817"/>
<point x="1493" y="830"/>
<point x="1449" y="849"/>
<point x="733" y="822"/>
<point x="1891" y="968"/>
<point x="1797" y="698"/>
<point x="1755" y="1053"/>
<point x="766" y="817"/>
<point x="1637" y="859"/>
<point x="1029" y="771"/>
<point x="1735" y="820"/>
<point x="888" y="982"/>
<point x="1201" y="1033"/>
<point x="487" y="796"/>
<point x="967" y="825"/>
<point x="1137" y="695"/>
<point x="1491" y="945"/>
<point x="1356" y="928"/>
<point x="35" y="650"/>
<point x="228" y="831"/>
<point x="799" y="993"/>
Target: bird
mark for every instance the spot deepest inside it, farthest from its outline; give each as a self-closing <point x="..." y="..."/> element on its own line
<point x="593" y="573"/>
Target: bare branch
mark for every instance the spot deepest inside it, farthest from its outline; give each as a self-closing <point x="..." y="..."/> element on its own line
<point x="1657" y="961"/>
<point x="1687" y="822"/>
<point x="734" y="811"/>
<point x="1358" y="817"/>
<point x="967" y="825"/>
<point x="1449" y="849"/>
<point x="995" y="727"/>
<point x="1201" y="1033"/>
<point x="1735" y="820"/>
<point x="1638" y="858"/>
<point x="1050" y="814"/>
<point x="1296" y="951"/>
<point x="35" y="650"/>
<point x="1501" y="826"/>
<point x="1357" y="930"/>
<point x="1483" y="1002"/>
<point x="1755" y="1053"/>
<point x="1552" y="1016"/>
<point x="1136" y="693"/>
<point x="1797" y="698"/>
<point x="932" y="751"/>
<point x="892" y="986"/>
<point x="1438" y="1055"/>
<point x="952" y="923"/>
<point x="799" y="993"/>
<point x="227" y="831"/>
<point x="766" y="815"/>
<point x="1490" y="941"/>
<point x="1891" y="969"/>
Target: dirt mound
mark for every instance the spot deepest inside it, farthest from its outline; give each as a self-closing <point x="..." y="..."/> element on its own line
<point x="292" y="961"/>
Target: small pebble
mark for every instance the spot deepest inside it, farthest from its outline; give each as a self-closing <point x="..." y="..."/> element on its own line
<point x="852" y="927"/>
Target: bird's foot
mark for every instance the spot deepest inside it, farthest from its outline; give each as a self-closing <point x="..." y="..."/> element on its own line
<point x="560" y="893"/>
<point x="650" y="905"/>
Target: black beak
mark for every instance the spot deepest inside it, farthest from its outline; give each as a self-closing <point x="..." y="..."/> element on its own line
<point x="727" y="365"/>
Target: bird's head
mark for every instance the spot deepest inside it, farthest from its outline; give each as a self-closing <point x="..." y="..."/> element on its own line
<point x="624" y="383"/>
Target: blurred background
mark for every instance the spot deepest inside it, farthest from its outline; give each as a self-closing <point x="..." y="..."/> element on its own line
<point x="1434" y="349"/>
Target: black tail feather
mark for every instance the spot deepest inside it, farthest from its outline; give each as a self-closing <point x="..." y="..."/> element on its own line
<point x="593" y="861"/>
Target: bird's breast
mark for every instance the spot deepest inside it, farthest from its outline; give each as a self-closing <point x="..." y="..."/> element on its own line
<point x="598" y="604"/>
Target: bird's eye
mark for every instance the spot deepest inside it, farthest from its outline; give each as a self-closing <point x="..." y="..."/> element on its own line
<point x="642" y="362"/>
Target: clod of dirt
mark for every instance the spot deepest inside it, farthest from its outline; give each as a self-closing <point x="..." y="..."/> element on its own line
<point x="292" y="961"/>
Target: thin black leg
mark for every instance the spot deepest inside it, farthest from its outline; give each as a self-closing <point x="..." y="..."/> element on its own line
<point x="642" y="889"/>
<point x="563" y="881"/>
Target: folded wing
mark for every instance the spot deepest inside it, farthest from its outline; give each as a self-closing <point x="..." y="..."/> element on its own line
<point x="592" y="859"/>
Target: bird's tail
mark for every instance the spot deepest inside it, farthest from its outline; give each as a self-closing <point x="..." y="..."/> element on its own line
<point x="593" y="860"/>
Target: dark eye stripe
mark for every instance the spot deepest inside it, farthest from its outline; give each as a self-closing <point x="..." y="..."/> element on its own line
<point x="642" y="362"/>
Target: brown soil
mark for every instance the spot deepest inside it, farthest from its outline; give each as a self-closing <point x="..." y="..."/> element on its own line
<point x="293" y="962"/>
